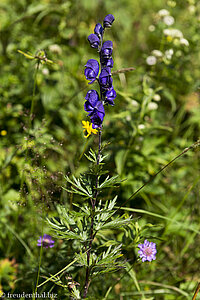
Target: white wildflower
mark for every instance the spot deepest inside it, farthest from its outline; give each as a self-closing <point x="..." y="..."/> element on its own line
<point x="173" y="32"/>
<point x="157" y="53"/>
<point x="184" y="42"/>
<point x="163" y="13"/>
<point x="168" y="20"/>
<point x="169" y="53"/>
<point x="134" y="103"/>
<point x="151" y="60"/>
<point x="128" y="118"/>
<point x="156" y="97"/>
<point x="141" y="126"/>
<point x="55" y="48"/>
<point x="152" y="28"/>
<point x="192" y="9"/>
<point x="45" y="71"/>
<point x="152" y="106"/>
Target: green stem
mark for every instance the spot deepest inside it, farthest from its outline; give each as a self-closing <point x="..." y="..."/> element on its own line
<point x="38" y="274"/>
<point x="30" y="122"/>
<point x="92" y="234"/>
<point x="33" y="97"/>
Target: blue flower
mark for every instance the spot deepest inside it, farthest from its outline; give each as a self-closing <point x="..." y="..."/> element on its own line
<point x="109" y="96"/>
<point x="107" y="62"/>
<point x="98" y="30"/>
<point x="94" y="107"/>
<point x="106" y="50"/>
<point x="105" y="79"/>
<point x="147" y="251"/>
<point x="91" y="70"/>
<point x="108" y="20"/>
<point x="97" y="119"/>
<point x="93" y="40"/>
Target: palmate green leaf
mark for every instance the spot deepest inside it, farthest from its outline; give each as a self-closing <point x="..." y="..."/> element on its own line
<point x="79" y="187"/>
<point x="85" y="209"/>
<point x="70" y="225"/>
<point x="92" y="156"/>
<point x="62" y="232"/>
<point x="102" y="215"/>
<point x="108" y="260"/>
<point x="82" y="258"/>
<point x="109" y="182"/>
<point x="116" y="223"/>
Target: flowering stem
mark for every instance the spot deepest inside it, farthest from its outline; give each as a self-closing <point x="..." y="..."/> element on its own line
<point x="92" y="233"/>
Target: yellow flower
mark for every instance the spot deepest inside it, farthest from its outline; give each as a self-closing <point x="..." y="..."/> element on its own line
<point x="3" y="132"/>
<point x="169" y="38"/>
<point x="87" y="126"/>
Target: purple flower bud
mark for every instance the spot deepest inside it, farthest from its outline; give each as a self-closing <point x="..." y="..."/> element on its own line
<point x="105" y="79"/>
<point x="108" y="20"/>
<point x="93" y="40"/>
<point x="109" y="96"/>
<point x="98" y="30"/>
<point x="91" y="70"/>
<point x="107" y="48"/>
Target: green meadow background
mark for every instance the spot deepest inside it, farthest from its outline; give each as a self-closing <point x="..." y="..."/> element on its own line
<point x="155" y="117"/>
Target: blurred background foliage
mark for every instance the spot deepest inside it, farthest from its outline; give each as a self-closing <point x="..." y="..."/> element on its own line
<point x="157" y="115"/>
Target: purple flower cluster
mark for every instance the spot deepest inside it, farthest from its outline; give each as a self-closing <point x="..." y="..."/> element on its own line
<point x="45" y="241"/>
<point x="94" y="104"/>
<point x="147" y="251"/>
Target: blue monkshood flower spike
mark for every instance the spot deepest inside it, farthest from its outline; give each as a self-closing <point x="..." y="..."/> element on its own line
<point x="109" y="96"/>
<point x="108" y="20"/>
<point x="94" y="107"/>
<point x="93" y="40"/>
<point x="105" y="78"/>
<point x="91" y="70"/>
<point x="107" y="48"/>
<point x="147" y="251"/>
<point x="98" y="30"/>
<point x="45" y="241"/>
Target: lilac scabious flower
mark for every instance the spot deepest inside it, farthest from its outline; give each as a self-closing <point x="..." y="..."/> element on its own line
<point x="108" y="20"/>
<point x="147" y="251"/>
<point x="98" y="30"/>
<point x="94" y="107"/>
<point x="93" y="40"/>
<point x="91" y="70"/>
<point x="105" y="79"/>
<point x="45" y="241"/>
<point x="109" y="96"/>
